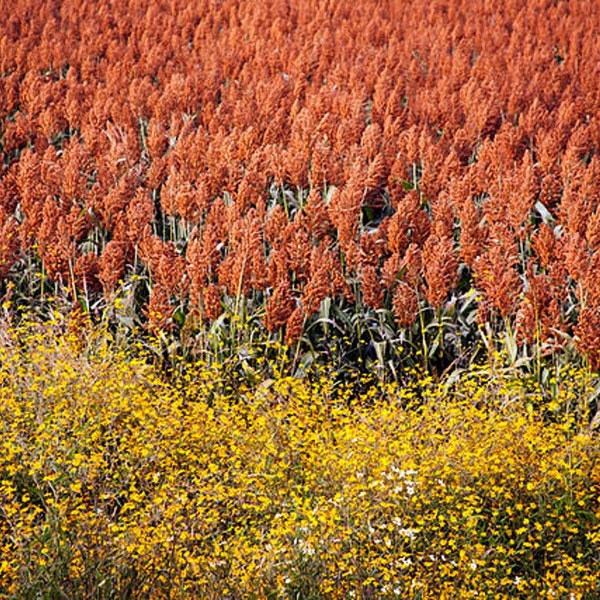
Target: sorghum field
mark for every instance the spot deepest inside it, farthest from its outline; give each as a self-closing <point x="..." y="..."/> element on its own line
<point x="299" y="299"/>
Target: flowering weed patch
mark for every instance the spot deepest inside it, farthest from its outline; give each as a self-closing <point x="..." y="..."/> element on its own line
<point x="114" y="483"/>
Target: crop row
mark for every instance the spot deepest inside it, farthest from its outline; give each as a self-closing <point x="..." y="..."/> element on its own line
<point x="432" y="168"/>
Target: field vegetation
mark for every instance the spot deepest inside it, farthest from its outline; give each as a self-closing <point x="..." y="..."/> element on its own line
<point x="115" y="483"/>
<point x="299" y="299"/>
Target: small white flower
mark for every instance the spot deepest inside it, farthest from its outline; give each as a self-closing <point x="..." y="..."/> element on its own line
<point x="411" y="534"/>
<point x="407" y="473"/>
<point x="409" y="488"/>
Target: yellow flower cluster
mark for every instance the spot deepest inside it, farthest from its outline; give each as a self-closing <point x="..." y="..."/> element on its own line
<point x="115" y="483"/>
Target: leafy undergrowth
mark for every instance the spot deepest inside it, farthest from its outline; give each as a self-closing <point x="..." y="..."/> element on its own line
<point x="117" y="483"/>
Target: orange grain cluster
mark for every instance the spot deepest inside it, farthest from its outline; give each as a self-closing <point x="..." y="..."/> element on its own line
<point x="417" y="140"/>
